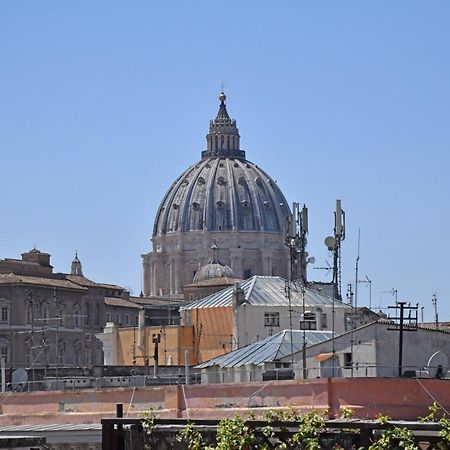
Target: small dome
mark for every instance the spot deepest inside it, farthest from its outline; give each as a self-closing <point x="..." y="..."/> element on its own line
<point x="214" y="269"/>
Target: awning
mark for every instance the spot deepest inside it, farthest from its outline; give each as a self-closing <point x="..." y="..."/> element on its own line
<point x="323" y="357"/>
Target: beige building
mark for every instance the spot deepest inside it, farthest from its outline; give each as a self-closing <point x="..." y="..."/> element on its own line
<point x="222" y="198"/>
<point x="49" y="319"/>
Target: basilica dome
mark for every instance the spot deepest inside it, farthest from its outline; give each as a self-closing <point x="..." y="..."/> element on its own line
<point x="223" y="191"/>
<point x="222" y="198"/>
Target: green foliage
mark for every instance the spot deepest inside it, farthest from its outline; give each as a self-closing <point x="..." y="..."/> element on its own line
<point x="395" y="438"/>
<point x="445" y="431"/>
<point x="192" y="436"/>
<point x="347" y="413"/>
<point x="234" y="434"/>
<point x="381" y="418"/>
<point x="148" y="420"/>
<point x="308" y="435"/>
<point x="435" y="414"/>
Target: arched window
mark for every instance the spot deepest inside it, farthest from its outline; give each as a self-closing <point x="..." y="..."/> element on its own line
<point x="308" y="321"/>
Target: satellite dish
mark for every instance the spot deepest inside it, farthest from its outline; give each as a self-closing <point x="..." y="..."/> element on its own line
<point x="437" y="365"/>
<point x="330" y="242"/>
<point x="19" y="379"/>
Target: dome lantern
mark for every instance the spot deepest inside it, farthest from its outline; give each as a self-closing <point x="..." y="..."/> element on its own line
<point x="223" y="138"/>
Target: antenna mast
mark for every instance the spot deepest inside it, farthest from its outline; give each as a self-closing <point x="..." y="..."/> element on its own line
<point x="436" y="317"/>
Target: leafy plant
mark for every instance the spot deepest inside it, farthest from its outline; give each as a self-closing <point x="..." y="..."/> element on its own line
<point x="347" y="412"/>
<point x="234" y="434"/>
<point x="381" y="418"/>
<point x="395" y="438"/>
<point x="148" y="420"/>
<point x="445" y="431"/>
<point x="310" y="428"/>
<point x="435" y="414"/>
<point x="192" y="436"/>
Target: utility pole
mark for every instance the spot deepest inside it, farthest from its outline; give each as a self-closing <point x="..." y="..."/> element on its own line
<point x="399" y="322"/>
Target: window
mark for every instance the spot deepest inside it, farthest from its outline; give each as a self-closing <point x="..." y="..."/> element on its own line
<point x="87" y="356"/>
<point x="108" y="317"/>
<point x="28" y="352"/>
<point x="271" y="319"/>
<point x="117" y="318"/>
<point x="86" y="314"/>
<point x="4" y="350"/>
<point x="324" y="321"/>
<point x="77" y="352"/>
<point x="77" y="313"/>
<point x="61" y="352"/>
<point x="136" y="319"/>
<point x="308" y="321"/>
<point x="97" y="314"/>
<point x="29" y="312"/>
<point x="87" y="336"/>
<point x="247" y="273"/>
<point x="348" y="360"/>
<point x="45" y="313"/>
<point x="4" y="314"/>
<point x="127" y="319"/>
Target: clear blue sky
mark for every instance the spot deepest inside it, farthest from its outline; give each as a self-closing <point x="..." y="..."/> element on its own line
<point x="103" y="104"/>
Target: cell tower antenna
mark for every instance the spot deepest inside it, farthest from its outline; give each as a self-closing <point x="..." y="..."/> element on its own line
<point x="436" y="317"/>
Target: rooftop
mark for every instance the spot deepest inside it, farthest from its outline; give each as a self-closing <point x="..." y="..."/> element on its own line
<point x="272" y="348"/>
<point x="266" y="291"/>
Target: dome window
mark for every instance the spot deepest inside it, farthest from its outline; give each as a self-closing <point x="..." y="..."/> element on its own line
<point x="236" y="164"/>
<point x="201" y="181"/>
<point x="219" y="204"/>
<point x="245" y="203"/>
<point x="175" y="206"/>
<point x="258" y="181"/>
<point x="241" y="180"/>
<point x="207" y="166"/>
<point x="248" y="166"/>
<point x="195" y="205"/>
<point x="185" y="182"/>
<point x="221" y="181"/>
<point x="267" y="204"/>
<point x="221" y="164"/>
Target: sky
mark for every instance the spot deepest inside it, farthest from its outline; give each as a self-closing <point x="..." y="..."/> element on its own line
<point x="104" y="104"/>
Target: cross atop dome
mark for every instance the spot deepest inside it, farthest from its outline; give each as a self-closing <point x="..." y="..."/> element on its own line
<point x="223" y="138"/>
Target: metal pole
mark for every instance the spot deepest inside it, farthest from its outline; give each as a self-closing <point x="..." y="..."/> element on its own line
<point x="400" y="343"/>
<point x="305" y="370"/>
<point x="3" y="368"/>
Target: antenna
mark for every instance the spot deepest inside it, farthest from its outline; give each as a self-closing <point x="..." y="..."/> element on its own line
<point x="436" y="317"/>
<point x="356" y="271"/>
<point x="296" y="231"/>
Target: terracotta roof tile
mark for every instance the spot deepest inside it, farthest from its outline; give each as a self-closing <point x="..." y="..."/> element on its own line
<point x="11" y="278"/>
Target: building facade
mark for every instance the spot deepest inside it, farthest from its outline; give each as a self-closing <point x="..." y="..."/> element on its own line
<point x="50" y="319"/>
